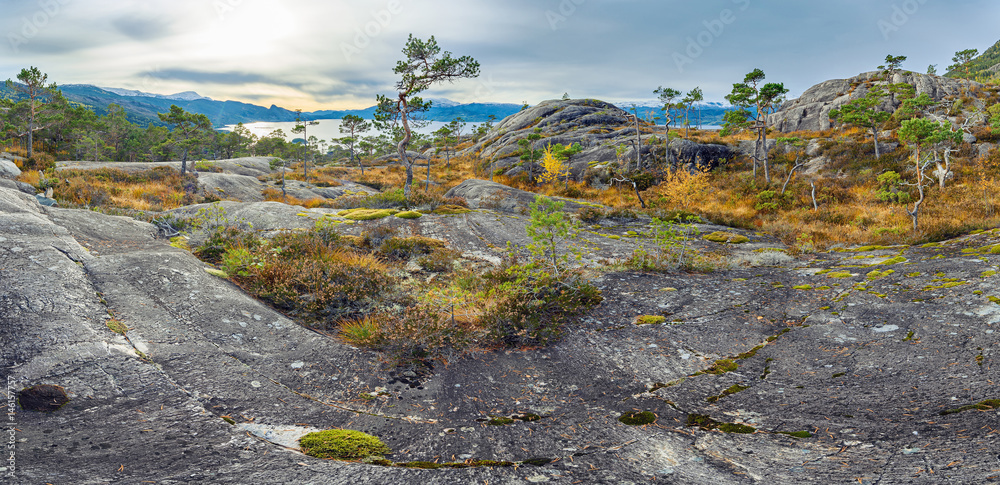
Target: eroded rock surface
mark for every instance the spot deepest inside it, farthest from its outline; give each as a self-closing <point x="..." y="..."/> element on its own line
<point x="862" y="349"/>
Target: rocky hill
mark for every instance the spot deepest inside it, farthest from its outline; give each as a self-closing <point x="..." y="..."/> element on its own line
<point x="811" y="111"/>
<point x="606" y="134"/>
<point x="869" y="365"/>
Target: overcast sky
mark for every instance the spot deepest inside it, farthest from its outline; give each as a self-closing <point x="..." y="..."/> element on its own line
<point x="340" y="54"/>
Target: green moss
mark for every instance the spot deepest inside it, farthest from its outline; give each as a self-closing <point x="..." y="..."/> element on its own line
<point x="116" y="326"/>
<point x="449" y="210"/>
<point x="726" y="237"/>
<point x="823" y="288"/>
<point x="538" y="461"/>
<point x="728" y="392"/>
<point x="945" y="286"/>
<point x="913" y="275"/>
<point x="839" y="374"/>
<point x="737" y="428"/>
<point x="217" y="273"/>
<point x="180" y="242"/>
<point x="409" y="215"/>
<point x="650" y="320"/>
<point x="492" y="463"/>
<point x="366" y="214"/>
<point x="528" y="417"/>
<point x="909" y="336"/>
<point x="932" y="245"/>
<point x="229" y="420"/>
<point x="500" y="421"/>
<point x="797" y="434"/>
<point x="803" y="287"/>
<point x="989" y="273"/>
<point x="722" y="366"/>
<point x="840" y="274"/>
<point x="423" y="465"/>
<point x="987" y="405"/>
<point x="342" y="444"/>
<point x="635" y="418"/>
<point x="824" y="308"/>
<point x="750" y="353"/>
<point x="889" y="262"/>
<point x="994" y="299"/>
<point x="876" y="274"/>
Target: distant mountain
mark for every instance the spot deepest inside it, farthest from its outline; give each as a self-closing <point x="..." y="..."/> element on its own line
<point x="142" y="108"/>
<point x="984" y="68"/>
<point x="185" y="96"/>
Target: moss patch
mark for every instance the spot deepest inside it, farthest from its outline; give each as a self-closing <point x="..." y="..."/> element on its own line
<point x="635" y="418"/>
<point x="987" y="405"/>
<point x="446" y="210"/>
<point x="726" y="238"/>
<point x="342" y="444"/>
<point x="366" y="214"/>
<point x="728" y="392"/>
<point x="409" y="215"/>
<point x="803" y="287"/>
<point x="650" y="320"/>
<point x="217" y="272"/>
<point x="116" y="326"/>
<point x="180" y="242"/>
<point x="705" y="422"/>
<point x="500" y="421"/>
<point x="839" y="274"/>
<point x="722" y="366"/>
<point x="797" y="434"/>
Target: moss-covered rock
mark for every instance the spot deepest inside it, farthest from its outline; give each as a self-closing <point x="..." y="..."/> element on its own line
<point x="726" y="238"/>
<point x="409" y="215"/>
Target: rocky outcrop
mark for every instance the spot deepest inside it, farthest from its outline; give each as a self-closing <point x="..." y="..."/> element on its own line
<point x="811" y="111"/>
<point x="883" y="373"/>
<point x="605" y="133"/>
<point x="483" y="194"/>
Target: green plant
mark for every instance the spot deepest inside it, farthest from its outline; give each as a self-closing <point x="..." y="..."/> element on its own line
<point x="548" y="228"/>
<point x="888" y="189"/>
<point x="635" y="418"/>
<point x="342" y="444"/>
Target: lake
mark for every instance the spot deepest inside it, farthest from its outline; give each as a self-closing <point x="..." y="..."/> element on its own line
<point x="325" y="130"/>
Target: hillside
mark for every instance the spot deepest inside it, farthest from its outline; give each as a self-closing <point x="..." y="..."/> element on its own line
<point x="985" y="67"/>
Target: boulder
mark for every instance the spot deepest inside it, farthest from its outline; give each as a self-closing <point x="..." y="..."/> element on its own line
<point x="8" y="169"/>
<point x="701" y="156"/>
<point x="231" y="186"/>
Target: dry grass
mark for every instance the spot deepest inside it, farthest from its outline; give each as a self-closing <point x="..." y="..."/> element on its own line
<point x="161" y="188"/>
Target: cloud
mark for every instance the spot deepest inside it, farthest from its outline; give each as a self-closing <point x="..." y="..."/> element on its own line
<point x="141" y="29"/>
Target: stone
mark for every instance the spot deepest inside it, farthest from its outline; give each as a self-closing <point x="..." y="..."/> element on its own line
<point x="8" y="169"/>
<point x="699" y="156"/>
<point x="968" y="138"/>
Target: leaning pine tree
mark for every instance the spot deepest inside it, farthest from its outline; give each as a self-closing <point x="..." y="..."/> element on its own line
<point x="424" y="65"/>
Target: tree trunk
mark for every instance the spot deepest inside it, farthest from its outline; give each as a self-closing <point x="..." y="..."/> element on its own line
<point x="402" y="147"/>
<point x="915" y="213"/>
<point x="763" y="147"/>
<point x="184" y="163"/>
<point x="875" y="133"/>
<point x="638" y="144"/>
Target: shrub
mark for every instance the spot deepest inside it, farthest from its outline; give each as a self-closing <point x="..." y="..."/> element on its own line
<point x="531" y="306"/>
<point x="342" y="444"/>
<point x="405" y="248"/>
<point x="590" y="215"/>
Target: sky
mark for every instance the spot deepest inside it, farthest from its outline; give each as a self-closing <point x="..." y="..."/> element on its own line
<point x="340" y="54"/>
